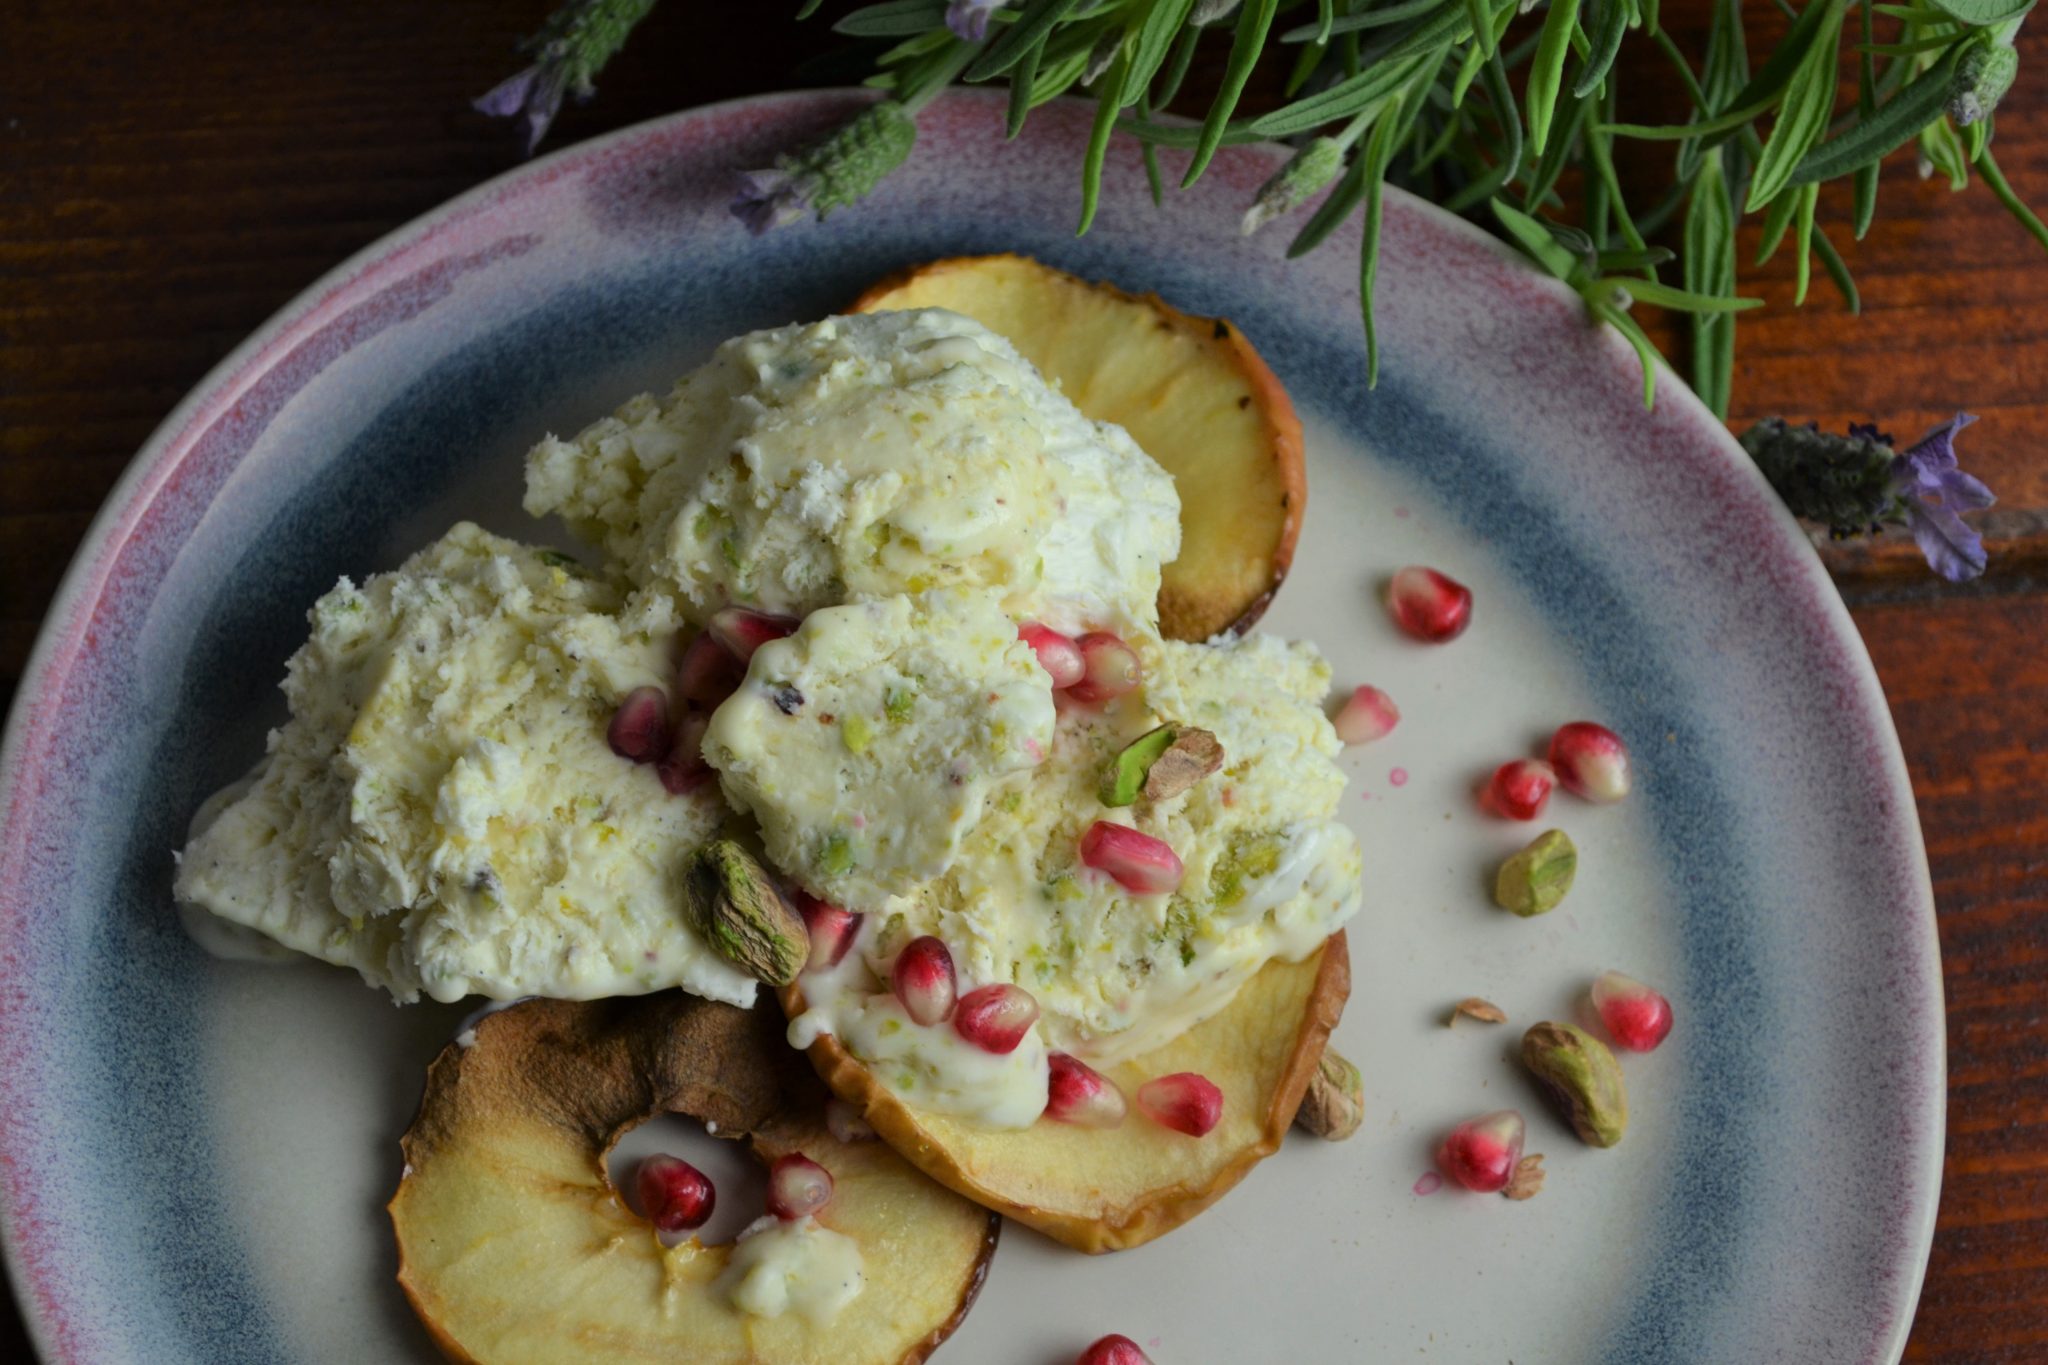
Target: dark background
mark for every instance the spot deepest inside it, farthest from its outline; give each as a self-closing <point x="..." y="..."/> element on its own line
<point x="170" y="175"/>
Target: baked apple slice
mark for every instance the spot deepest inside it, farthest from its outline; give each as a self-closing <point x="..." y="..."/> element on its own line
<point x="514" y="1246"/>
<point x="1190" y="390"/>
<point x="1107" y="1188"/>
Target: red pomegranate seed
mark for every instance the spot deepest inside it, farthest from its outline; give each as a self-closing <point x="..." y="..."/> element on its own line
<point x="1110" y="668"/>
<point x="1591" y="761"/>
<point x="1637" y="1017"/>
<point x="833" y="931"/>
<point x="707" y="673"/>
<point x="684" y="769"/>
<point x="995" y="1018"/>
<point x="1187" y="1102"/>
<point x="1481" y="1153"/>
<point x="1519" y="790"/>
<point x="1113" y="1350"/>
<point x="923" y="980"/>
<point x="1137" y="861"/>
<point x="639" y="728"/>
<point x="1366" y="715"/>
<point x="1429" y="606"/>
<point x="845" y="1122"/>
<point x="743" y="631"/>
<point x="797" y="1187"/>
<point x="1081" y="1095"/>
<point x="676" y="1197"/>
<point x="1057" y="654"/>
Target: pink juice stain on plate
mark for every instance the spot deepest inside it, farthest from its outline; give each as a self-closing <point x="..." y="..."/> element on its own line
<point x="1429" y="1183"/>
<point x="1399" y="777"/>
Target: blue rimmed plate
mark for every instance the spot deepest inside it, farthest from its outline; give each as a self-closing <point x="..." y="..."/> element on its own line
<point x="194" y="1155"/>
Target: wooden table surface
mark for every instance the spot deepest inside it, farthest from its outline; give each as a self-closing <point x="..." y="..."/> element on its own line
<point x="171" y="175"/>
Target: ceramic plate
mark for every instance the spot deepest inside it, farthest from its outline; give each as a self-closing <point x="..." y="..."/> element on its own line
<point x="196" y="1154"/>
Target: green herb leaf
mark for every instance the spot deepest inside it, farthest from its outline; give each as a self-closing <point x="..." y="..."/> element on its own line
<point x="1983" y="13"/>
<point x="1607" y="35"/>
<point x="1681" y="300"/>
<point x="893" y="19"/>
<point x="1037" y="19"/>
<point x="1318" y="32"/>
<point x="1895" y="123"/>
<point x="1546" y="69"/>
<point x="1709" y="271"/>
<point x="1535" y="239"/>
<point x="1253" y="21"/>
<point x="1803" y="114"/>
<point x="1155" y="40"/>
<point x="1106" y="105"/>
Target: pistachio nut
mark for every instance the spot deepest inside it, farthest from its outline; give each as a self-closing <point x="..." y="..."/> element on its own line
<point x="1536" y="879"/>
<point x="736" y="906"/>
<point x="1582" y="1078"/>
<point x="1334" y="1104"/>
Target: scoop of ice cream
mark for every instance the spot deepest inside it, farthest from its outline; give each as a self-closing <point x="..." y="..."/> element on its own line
<point x="861" y="457"/>
<point x="1268" y="870"/>
<point x="866" y="743"/>
<point x="442" y="812"/>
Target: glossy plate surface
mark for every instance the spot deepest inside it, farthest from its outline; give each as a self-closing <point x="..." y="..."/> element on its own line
<point x="195" y="1155"/>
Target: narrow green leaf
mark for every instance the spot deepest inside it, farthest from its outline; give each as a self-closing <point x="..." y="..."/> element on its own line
<point x="1343" y="100"/>
<point x="1306" y="64"/>
<point x="1035" y="21"/>
<point x="1479" y="13"/>
<point x="1535" y="239"/>
<point x="893" y="19"/>
<point x="1508" y="164"/>
<point x="1983" y="13"/>
<point x="1352" y="23"/>
<point x="1379" y="149"/>
<point x="1106" y="106"/>
<point x="1551" y="165"/>
<point x="1994" y="177"/>
<point x="1177" y="66"/>
<point x="1254" y="19"/>
<point x="1940" y="145"/>
<point x="1023" y="76"/>
<point x="1056" y="79"/>
<point x="1796" y="52"/>
<point x="1646" y="354"/>
<point x="1155" y="40"/>
<point x="1933" y="42"/>
<point x="1807" y="197"/>
<point x="1709" y="269"/>
<point x="1837" y="268"/>
<point x="1326" y="14"/>
<point x="1803" y="114"/>
<point x="1546" y="69"/>
<point x="810" y="7"/>
<point x="1891" y="127"/>
<point x="1681" y="300"/>
<point x="1607" y="35"/>
<point x="1777" y="222"/>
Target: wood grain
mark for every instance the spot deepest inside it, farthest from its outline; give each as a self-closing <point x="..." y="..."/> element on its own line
<point x="170" y="176"/>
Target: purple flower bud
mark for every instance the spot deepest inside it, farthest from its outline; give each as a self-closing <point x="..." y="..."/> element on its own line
<point x="1935" y="491"/>
<point x="767" y="199"/>
<point x="969" y="18"/>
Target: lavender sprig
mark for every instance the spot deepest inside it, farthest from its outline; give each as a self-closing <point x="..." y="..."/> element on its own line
<point x="572" y="46"/>
<point x="1856" y="484"/>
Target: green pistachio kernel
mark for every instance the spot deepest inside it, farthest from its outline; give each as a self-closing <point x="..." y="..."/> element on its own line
<point x="1536" y="879"/>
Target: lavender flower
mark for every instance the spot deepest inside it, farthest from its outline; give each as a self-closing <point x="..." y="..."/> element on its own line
<point x="1858" y="483"/>
<point x="573" y="45"/>
<point x="827" y="175"/>
<point x="1308" y="170"/>
<point x="1933" y="490"/>
<point x="969" y="18"/>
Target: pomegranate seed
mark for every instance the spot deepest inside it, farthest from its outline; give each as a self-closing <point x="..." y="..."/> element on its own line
<point x="924" y="981"/>
<point x="1187" y="1102"/>
<point x="845" y="1123"/>
<point x="1368" y="714"/>
<point x="684" y="769"/>
<point x="1137" y="861"/>
<point x="639" y="728"/>
<point x="743" y="631"/>
<point x="1591" y="761"/>
<point x="833" y="931"/>
<point x="1637" y="1017"/>
<point x="1057" y="654"/>
<point x="995" y="1018"/>
<point x="1081" y="1095"/>
<point x="1520" y="790"/>
<point x="676" y="1197"/>
<point x="1429" y="606"/>
<point x="708" y="673"/>
<point x="797" y="1187"/>
<point x="1113" y="1350"/>
<point x="1481" y="1153"/>
<point x="1110" y="668"/>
